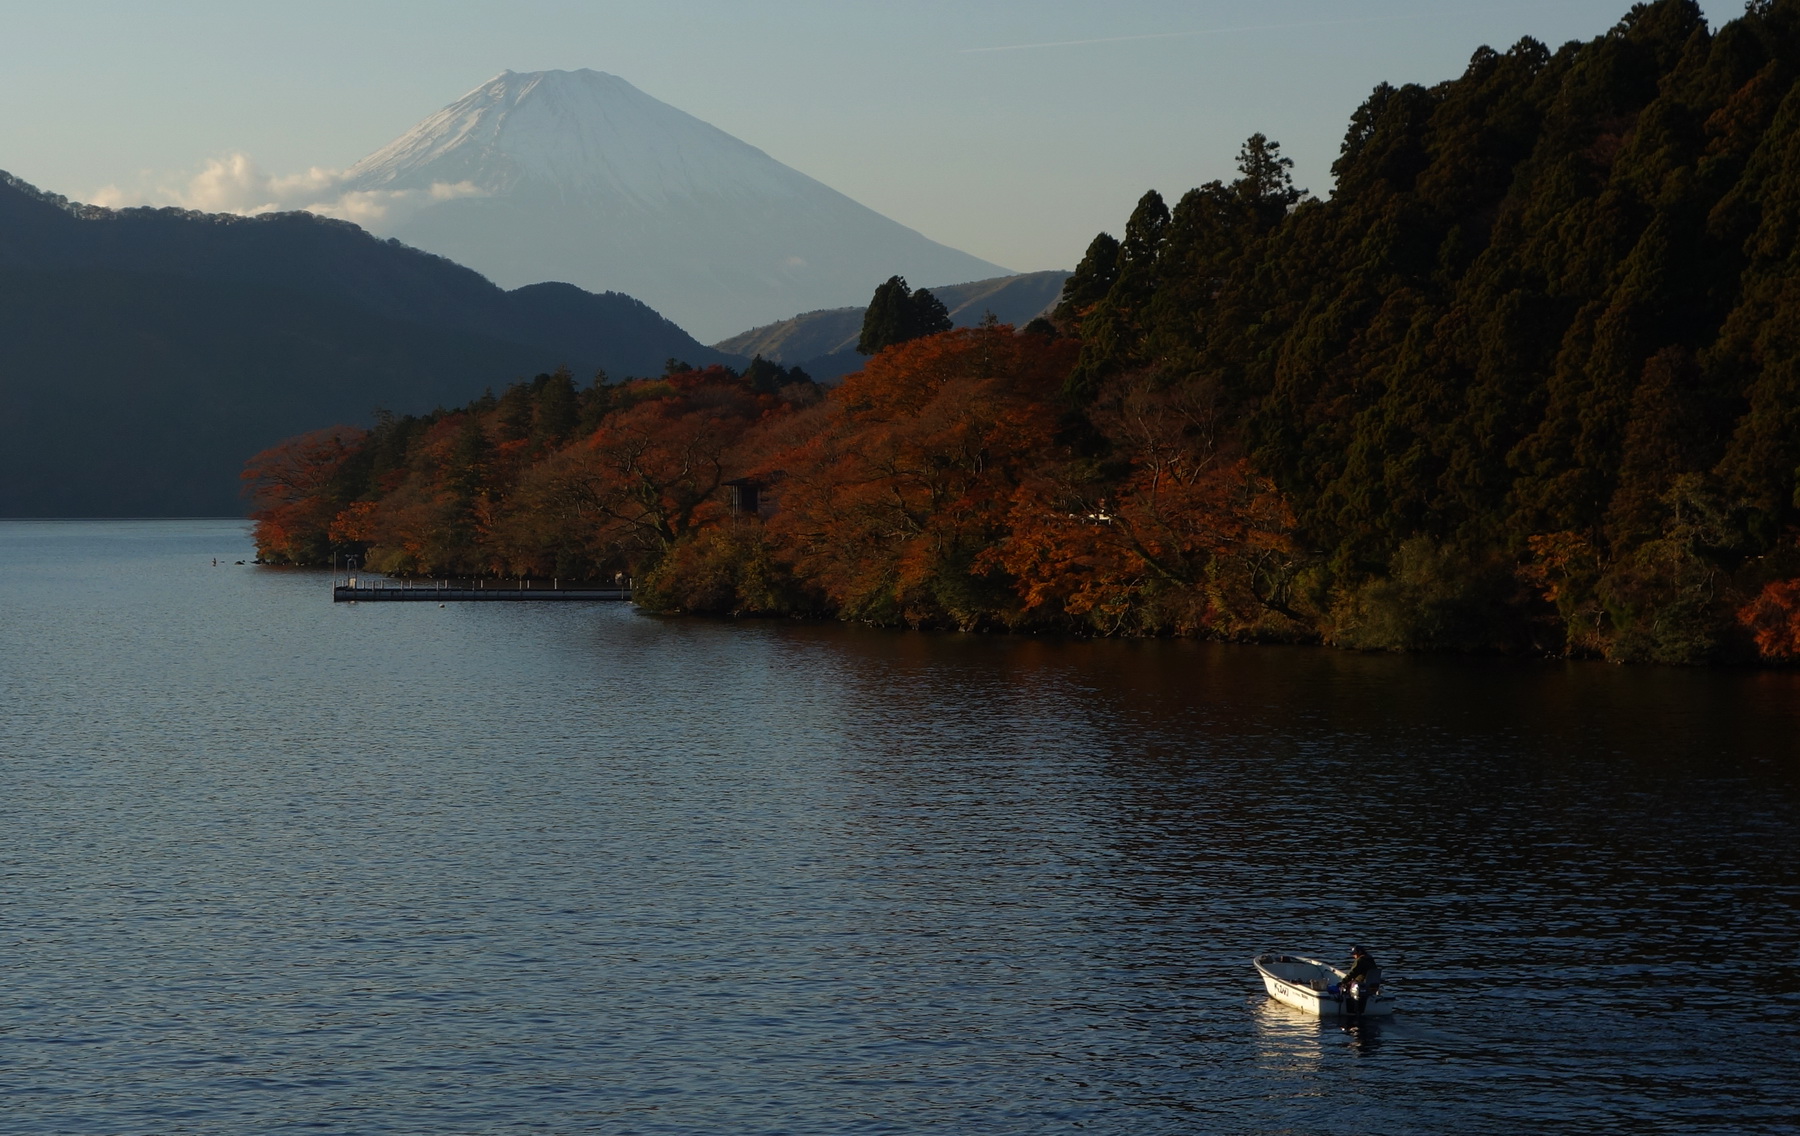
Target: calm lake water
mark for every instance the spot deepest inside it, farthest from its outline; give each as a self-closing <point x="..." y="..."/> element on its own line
<point x="270" y="864"/>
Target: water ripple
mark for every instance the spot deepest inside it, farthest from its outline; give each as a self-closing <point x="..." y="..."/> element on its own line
<point x="269" y="864"/>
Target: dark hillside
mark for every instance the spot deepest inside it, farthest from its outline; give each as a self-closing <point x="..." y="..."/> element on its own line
<point x="130" y="395"/>
<point x="1539" y="344"/>
<point x="145" y="352"/>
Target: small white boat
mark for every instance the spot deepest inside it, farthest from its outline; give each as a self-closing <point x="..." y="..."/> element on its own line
<point x="1310" y="985"/>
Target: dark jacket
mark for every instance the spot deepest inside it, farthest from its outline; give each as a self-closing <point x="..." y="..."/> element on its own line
<point x="1365" y="970"/>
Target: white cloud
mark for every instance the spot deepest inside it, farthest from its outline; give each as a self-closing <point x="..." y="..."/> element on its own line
<point x="235" y="184"/>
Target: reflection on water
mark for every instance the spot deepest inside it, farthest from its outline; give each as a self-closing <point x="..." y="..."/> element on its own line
<point x="269" y="863"/>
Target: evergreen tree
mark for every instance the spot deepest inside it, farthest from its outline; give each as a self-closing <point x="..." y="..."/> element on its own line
<point x="897" y="314"/>
<point x="1092" y="280"/>
<point x="1267" y="181"/>
<point x="515" y="412"/>
<point x="557" y="409"/>
<point x="884" y="323"/>
<point x="927" y="315"/>
<point x="1113" y="330"/>
<point x="770" y="378"/>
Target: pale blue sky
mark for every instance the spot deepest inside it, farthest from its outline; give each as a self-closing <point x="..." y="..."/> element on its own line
<point x="1018" y="156"/>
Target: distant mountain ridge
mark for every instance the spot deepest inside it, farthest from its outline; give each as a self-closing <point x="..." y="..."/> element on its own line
<point x="145" y="353"/>
<point x="823" y="343"/>
<point x="307" y="252"/>
<point x="579" y="176"/>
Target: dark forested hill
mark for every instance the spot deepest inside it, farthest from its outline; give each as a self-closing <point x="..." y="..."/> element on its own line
<point x="1540" y="345"/>
<point x="144" y="353"/>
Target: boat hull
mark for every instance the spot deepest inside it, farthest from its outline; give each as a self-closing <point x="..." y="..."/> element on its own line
<point x="1303" y="983"/>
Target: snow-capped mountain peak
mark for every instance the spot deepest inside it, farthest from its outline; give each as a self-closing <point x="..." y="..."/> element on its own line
<point x="579" y="176"/>
<point x="581" y="132"/>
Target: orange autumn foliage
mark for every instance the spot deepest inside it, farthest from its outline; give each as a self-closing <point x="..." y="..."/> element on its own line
<point x="435" y="517"/>
<point x="287" y="484"/>
<point x="1773" y="618"/>
<point x="1190" y="539"/>
<point x="1213" y="549"/>
<point x="947" y="484"/>
<point x="650" y="475"/>
<point x="908" y="477"/>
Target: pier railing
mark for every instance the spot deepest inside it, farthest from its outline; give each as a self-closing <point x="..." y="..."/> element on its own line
<point x="362" y="589"/>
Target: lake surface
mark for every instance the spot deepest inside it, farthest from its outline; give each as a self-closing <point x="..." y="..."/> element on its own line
<point x="270" y="864"/>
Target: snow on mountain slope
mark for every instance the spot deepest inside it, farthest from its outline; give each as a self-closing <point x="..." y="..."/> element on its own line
<point x="579" y="176"/>
<point x="580" y="132"/>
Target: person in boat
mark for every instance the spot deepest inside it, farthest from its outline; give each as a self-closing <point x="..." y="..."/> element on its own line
<point x="1361" y="981"/>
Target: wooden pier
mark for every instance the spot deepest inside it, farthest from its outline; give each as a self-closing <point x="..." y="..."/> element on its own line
<point x="406" y="591"/>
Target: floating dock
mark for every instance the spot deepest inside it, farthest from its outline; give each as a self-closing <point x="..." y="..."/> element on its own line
<point x="400" y="591"/>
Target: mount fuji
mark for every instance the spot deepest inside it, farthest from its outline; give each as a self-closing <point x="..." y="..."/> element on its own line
<point x="580" y="177"/>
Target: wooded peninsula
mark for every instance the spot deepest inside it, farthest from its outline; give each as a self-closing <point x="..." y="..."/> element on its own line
<point x="1527" y="380"/>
